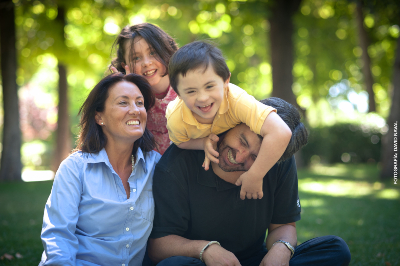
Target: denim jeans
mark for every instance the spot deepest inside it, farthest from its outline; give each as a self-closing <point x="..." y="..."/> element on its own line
<point x="320" y="251"/>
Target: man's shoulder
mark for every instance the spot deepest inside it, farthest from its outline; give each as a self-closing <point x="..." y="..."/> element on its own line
<point x="175" y="157"/>
<point x="283" y="169"/>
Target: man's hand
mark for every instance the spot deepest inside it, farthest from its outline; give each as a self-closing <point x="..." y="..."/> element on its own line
<point x="251" y="186"/>
<point x="278" y="255"/>
<point x="216" y="255"/>
<point x="210" y="149"/>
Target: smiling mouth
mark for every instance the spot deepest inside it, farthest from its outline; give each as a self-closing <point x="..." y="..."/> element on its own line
<point x="135" y="122"/>
<point x="149" y="73"/>
<point x="230" y="157"/>
<point x="206" y="108"/>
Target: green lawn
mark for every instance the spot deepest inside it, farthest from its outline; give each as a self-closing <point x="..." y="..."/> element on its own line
<point x="342" y="200"/>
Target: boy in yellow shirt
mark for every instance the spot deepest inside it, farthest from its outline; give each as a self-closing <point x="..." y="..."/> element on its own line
<point x="207" y="105"/>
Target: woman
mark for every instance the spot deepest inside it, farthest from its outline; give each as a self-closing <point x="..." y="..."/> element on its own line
<point x="101" y="208"/>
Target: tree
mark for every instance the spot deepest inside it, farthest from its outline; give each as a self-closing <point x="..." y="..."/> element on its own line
<point x="366" y="69"/>
<point x="63" y="135"/>
<point x="282" y="48"/>
<point x="388" y="153"/>
<point x="11" y="154"/>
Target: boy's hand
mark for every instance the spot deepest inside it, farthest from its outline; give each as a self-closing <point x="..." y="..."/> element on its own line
<point x="210" y="149"/>
<point x="251" y="186"/>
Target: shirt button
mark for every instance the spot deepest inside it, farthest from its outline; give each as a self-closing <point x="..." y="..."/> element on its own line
<point x="131" y="208"/>
<point x="127" y="229"/>
<point x="134" y="190"/>
<point x="127" y="245"/>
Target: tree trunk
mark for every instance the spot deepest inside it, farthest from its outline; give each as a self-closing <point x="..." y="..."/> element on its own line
<point x="63" y="135"/>
<point x="282" y="58"/>
<point x="389" y="141"/>
<point x="282" y="49"/>
<point x="11" y="155"/>
<point x="366" y="69"/>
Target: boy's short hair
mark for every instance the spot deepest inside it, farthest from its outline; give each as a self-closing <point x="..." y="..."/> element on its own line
<point x="193" y="56"/>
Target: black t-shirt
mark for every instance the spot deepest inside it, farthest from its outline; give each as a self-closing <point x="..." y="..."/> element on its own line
<point x="198" y="205"/>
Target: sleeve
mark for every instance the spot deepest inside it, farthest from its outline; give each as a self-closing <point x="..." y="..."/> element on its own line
<point x="172" y="211"/>
<point x="61" y="215"/>
<point x="176" y="129"/>
<point x="176" y="134"/>
<point x="286" y="199"/>
<point x="246" y="109"/>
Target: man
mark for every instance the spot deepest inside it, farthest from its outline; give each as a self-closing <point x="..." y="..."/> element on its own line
<point x="201" y="220"/>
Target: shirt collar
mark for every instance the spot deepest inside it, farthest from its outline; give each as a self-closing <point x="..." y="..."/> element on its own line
<point x="102" y="157"/>
<point x="210" y="179"/>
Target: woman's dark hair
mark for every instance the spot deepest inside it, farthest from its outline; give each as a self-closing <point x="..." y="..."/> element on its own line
<point x="91" y="137"/>
<point x="291" y="116"/>
<point x="159" y="41"/>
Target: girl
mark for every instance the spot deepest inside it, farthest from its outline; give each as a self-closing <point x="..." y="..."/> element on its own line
<point x="145" y="49"/>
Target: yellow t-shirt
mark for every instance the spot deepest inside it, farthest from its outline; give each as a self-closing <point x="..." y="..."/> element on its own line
<point x="237" y="107"/>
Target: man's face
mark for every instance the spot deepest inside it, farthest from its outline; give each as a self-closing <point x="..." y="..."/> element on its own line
<point x="239" y="149"/>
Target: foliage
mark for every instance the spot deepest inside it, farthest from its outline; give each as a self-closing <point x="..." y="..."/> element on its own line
<point x="343" y="143"/>
<point x="326" y="46"/>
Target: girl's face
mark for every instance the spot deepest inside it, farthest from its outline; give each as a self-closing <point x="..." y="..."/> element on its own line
<point x="144" y="62"/>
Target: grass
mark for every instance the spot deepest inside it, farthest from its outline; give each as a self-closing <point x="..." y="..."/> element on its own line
<point x="348" y="201"/>
<point x="343" y="200"/>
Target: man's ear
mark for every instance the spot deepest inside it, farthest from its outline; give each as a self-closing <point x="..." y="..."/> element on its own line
<point x="98" y="119"/>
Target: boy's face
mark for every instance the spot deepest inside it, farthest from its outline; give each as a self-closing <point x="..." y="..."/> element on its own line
<point x="202" y="92"/>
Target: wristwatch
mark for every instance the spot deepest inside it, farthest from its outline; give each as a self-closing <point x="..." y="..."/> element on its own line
<point x="287" y="244"/>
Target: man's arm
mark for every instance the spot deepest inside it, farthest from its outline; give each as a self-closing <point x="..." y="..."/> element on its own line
<point x="279" y="254"/>
<point x="276" y="136"/>
<point x="173" y="245"/>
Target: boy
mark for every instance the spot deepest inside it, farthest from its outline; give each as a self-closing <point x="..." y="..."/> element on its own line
<point x="207" y="105"/>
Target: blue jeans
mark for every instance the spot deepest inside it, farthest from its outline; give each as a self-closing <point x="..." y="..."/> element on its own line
<point x="320" y="251"/>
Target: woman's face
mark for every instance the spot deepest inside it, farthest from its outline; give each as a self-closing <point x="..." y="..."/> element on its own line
<point x="124" y="116"/>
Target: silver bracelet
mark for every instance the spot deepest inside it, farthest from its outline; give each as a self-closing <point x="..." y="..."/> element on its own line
<point x="209" y="244"/>
<point x="287" y="244"/>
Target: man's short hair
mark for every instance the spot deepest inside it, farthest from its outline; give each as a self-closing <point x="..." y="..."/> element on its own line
<point x="291" y="116"/>
<point x="193" y="56"/>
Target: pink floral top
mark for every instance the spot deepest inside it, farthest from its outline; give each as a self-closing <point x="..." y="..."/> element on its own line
<point x="157" y="123"/>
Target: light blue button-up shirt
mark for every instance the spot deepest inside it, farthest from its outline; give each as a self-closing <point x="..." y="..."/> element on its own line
<point x="88" y="219"/>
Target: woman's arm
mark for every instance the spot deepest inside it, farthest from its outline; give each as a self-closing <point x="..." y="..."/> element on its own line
<point x="61" y="215"/>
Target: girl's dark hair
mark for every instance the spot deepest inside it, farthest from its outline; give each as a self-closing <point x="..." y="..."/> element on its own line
<point x="91" y="137"/>
<point x="159" y="41"/>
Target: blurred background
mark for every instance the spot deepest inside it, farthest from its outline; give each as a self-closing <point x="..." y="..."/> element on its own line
<point x="337" y="61"/>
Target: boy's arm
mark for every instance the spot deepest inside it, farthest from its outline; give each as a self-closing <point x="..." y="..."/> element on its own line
<point x="276" y="136"/>
<point x="208" y="144"/>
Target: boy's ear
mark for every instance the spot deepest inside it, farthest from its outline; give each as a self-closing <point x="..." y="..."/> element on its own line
<point x="227" y="80"/>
